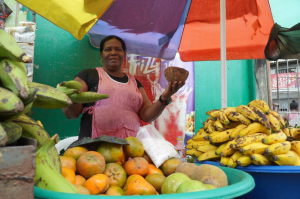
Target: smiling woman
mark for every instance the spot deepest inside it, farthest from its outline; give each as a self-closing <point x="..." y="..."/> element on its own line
<point x="121" y="114"/>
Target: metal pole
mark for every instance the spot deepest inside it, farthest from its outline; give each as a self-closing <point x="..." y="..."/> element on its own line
<point x="287" y="86"/>
<point x="277" y="71"/>
<point x="223" y="54"/>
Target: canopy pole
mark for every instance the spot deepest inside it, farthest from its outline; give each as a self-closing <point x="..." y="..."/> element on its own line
<point x="223" y="53"/>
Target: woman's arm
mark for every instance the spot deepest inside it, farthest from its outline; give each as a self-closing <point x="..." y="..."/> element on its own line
<point x="74" y="110"/>
<point x="149" y="112"/>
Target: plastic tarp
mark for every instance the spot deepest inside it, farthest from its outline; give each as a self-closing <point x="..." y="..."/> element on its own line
<point x="74" y="16"/>
<point x="160" y="28"/>
<point x="284" y="43"/>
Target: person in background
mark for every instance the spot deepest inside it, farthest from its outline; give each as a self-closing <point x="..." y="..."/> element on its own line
<point x="293" y="112"/>
<point x="276" y="107"/>
<point x="119" y="115"/>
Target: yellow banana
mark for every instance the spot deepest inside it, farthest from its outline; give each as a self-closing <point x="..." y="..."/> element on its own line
<point x="193" y="152"/>
<point x="255" y="127"/>
<point x="200" y="136"/>
<point x="227" y="150"/>
<point x="262" y="105"/>
<point x="274" y="138"/>
<point x="9" y="48"/>
<point x="224" y="161"/>
<point x="279" y="118"/>
<point x="220" y="148"/>
<point x="236" y="131"/>
<point x="206" y="122"/>
<point x="254" y="148"/>
<point x="208" y="156"/>
<point x="211" y="128"/>
<point x="195" y="144"/>
<point x="248" y="139"/>
<point x="214" y="115"/>
<point x="221" y="136"/>
<point x="206" y="148"/>
<point x="233" y="158"/>
<point x="247" y="112"/>
<point x="297" y="162"/>
<point x="237" y="117"/>
<point x="9" y="103"/>
<point x="223" y="118"/>
<point x="274" y="123"/>
<point x="87" y="97"/>
<point x="189" y="141"/>
<point x="244" y="161"/>
<point x="259" y="159"/>
<point x="232" y="125"/>
<point x="46" y="177"/>
<point x="49" y="97"/>
<point x="228" y="110"/>
<point x="210" y="111"/>
<point x="262" y="117"/>
<point x="219" y="126"/>
<point x="286" y="132"/>
<point x="295" y="145"/>
<point x="278" y="148"/>
<point x="295" y="133"/>
<point x="14" y="77"/>
<point x="287" y="159"/>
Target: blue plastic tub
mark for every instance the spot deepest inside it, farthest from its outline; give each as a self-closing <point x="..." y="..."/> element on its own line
<point x="271" y="182"/>
<point x="240" y="183"/>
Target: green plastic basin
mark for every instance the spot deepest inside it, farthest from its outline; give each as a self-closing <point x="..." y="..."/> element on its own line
<point x="240" y="183"/>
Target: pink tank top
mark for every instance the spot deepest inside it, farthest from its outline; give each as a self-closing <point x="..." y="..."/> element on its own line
<point x="118" y="115"/>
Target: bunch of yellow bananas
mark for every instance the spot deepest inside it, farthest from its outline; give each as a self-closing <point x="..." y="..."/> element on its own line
<point x="245" y="135"/>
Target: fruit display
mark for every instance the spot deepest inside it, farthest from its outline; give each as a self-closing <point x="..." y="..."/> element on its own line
<point x="246" y="135"/>
<point x="116" y="170"/>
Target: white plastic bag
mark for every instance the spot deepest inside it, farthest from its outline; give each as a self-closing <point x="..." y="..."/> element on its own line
<point x="158" y="149"/>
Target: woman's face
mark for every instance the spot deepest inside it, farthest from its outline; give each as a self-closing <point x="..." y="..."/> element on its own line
<point x="112" y="55"/>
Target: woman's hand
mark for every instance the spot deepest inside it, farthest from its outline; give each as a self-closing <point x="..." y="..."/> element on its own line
<point x="171" y="89"/>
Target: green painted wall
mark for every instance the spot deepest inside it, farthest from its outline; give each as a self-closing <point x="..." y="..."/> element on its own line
<point x="240" y="86"/>
<point x="58" y="56"/>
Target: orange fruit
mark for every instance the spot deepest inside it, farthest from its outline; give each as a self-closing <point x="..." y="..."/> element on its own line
<point x="156" y="180"/>
<point x="69" y="174"/>
<point x="116" y="174"/>
<point x="82" y="189"/>
<point x="90" y="163"/>
<point x="68" y="162"/>
<point x="140" y="187"/>
<point x="111" y="152"/>
<point x="115" y="191"/>
<point x="130" y="179"/>
<point x="75" y="152"/>
<point x="169" y="166"/>
<point x="97" y="184"/>
<point x="137" y="165"/>
<point x="80" y="180"/>
<point x="147" y="157"/>
<point x="154" y="169"/>
<point x="135" y="147"/>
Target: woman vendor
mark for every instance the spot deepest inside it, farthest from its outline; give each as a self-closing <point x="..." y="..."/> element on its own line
<point x="121" y="114"/>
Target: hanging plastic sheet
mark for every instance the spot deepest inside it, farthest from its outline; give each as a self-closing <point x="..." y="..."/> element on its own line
<point x="284" y="43"/>
<point x="5" y="11"/>
<point x="76" y="16"/>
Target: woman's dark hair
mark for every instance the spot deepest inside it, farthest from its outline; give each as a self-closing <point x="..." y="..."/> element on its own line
<point x="293" y="105"/>
<point x="109" y="38"/>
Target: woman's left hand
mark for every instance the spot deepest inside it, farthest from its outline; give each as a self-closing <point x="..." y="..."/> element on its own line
<point x="171" y="89"/>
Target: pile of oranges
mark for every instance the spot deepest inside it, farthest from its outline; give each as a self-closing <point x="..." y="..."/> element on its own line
<point x="115" y="169"/>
